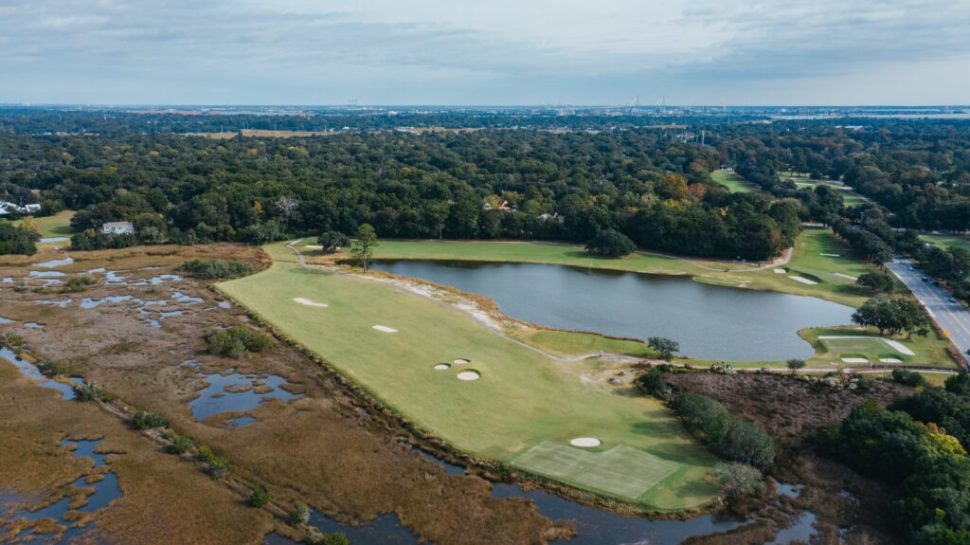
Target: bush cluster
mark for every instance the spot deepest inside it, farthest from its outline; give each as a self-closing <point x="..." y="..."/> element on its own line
<point x="236" y="341"/>
<point x="729" y="436"/>
<point x="216" y="270"/>
<point x="145" y="420"/>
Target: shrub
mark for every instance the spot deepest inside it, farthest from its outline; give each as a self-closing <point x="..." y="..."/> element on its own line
<point x="316" y="537"/>
<point x="215" y="270"/>
<point x="180" y="444"/>
<point x="300" y="514"/>
<point x="145" y="420"/>
<point x="739" y="479"/>
<point x="610" y="243"/>
<point x="652" y="382"/>
<point x="89" y="392"/>
<point x="218" y="465"/>
<point x="259" y="497"/>
<point x="876" y="281"/>
<point x="959" y="384"/>
<point x="332" y="241"/>
<point x="909" y="378"/>
<point x="78" y="283"/>
<point x="236" y="341"/>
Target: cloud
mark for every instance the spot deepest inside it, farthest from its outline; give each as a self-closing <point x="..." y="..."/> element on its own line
<point x="491" y="51"/>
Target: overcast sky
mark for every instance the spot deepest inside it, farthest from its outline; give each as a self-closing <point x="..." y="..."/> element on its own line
<point x="485" y="51"/>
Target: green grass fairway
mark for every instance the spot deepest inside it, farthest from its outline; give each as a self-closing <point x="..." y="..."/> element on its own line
<point x="522" y="400"/>
<point x="58" y="225"/>
<point x="735" y="183"/>
<point x="947" y="241"/>
<point x="835" y="276"/>
<point x="620" y="471"/>
<point x="802" y="180"/>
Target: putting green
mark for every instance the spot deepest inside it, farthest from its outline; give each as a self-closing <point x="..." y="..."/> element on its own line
<point x="523" y="399"/>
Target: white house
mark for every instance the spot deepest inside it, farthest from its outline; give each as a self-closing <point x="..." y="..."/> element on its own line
<point x="7" y="208"/>
<point x="118" y="228"/>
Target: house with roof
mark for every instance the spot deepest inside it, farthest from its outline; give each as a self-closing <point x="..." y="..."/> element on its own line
<point x="118" y="228"/>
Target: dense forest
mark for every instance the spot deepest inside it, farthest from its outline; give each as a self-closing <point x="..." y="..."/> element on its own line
<point x="485" y="184"/>
<point x="569" y="177"/>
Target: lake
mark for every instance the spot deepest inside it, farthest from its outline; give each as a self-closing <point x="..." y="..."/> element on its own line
<point x="709" y="322"/>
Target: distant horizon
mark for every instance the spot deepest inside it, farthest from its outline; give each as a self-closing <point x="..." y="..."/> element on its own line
<point x="468" y="105"/>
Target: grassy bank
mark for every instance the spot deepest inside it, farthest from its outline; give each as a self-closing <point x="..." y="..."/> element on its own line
<point x="523" y="410"/>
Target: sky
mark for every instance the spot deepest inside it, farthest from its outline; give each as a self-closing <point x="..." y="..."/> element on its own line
<point x="485" y="52"/>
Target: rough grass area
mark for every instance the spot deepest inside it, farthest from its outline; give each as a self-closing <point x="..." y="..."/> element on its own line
<point x="522" y="399"/>
<point x="806" y="261"/>
<point x="734" y="183"/>
<point x="621" y="471"/>
<point x="929" y="350"/>
<point x="58" y="225"/>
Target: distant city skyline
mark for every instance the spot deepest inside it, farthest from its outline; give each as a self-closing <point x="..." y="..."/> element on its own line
<point x="492" y="52"/>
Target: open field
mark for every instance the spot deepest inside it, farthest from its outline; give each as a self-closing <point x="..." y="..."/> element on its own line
<point x="735" y="183"/>
<point x="833" y="275"/>
<point x="523" y="398"/>
<point x="58" y="225"/>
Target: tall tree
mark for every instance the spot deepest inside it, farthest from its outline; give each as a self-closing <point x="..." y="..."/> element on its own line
<point x="363" y="246"/>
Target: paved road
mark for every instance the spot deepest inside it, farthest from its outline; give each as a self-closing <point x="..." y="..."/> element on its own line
<point x="947" y="312"/>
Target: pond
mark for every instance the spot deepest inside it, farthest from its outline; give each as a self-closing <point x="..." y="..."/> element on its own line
<point x="236" y="392"/>
<point x="709" y="322"/>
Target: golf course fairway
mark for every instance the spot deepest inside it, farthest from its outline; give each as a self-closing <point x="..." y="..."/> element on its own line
<point x="523" y="408"/>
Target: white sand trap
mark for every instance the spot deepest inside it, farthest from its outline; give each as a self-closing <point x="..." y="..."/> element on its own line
<point x="384" y="329"/>
<point x="900" y="347"/>
<point x="442" y="367"/>
<point x="803" y="280"/>
<point x="312" y="247"/>
<point x="847" y="277"/>
<point x="831" y="255"/>
<point x="854" y="360"/>
<point x="461" y="361"/>
<point x="469" y="375"/>
<point x="780" y="271"/>
<point x="309" y="303"/>
<point x="890" y="360"/>
<point x="585" y="442"/>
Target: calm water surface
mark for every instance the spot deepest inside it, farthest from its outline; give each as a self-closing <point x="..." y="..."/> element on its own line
<point x="708" y="321"/>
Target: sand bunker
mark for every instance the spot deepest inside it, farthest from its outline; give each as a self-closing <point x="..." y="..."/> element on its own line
<point x="384" y="328"/>
<point x="585" y="442"/>
<point x="309" y="303"/>
<point x="900" y="347"/>
<point x="442" y="367"/>
<point x="462" y="361"/>
<point x="855" y="360"/>
<point x="780" y="271"/>
<point x="469" y="375"/>
<point x="890" y="360"/>
<point x="830" y="255"/>
<point x="313" y="247"/>
<point x="803" y="280"/>
<point x="847" y="277"/>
